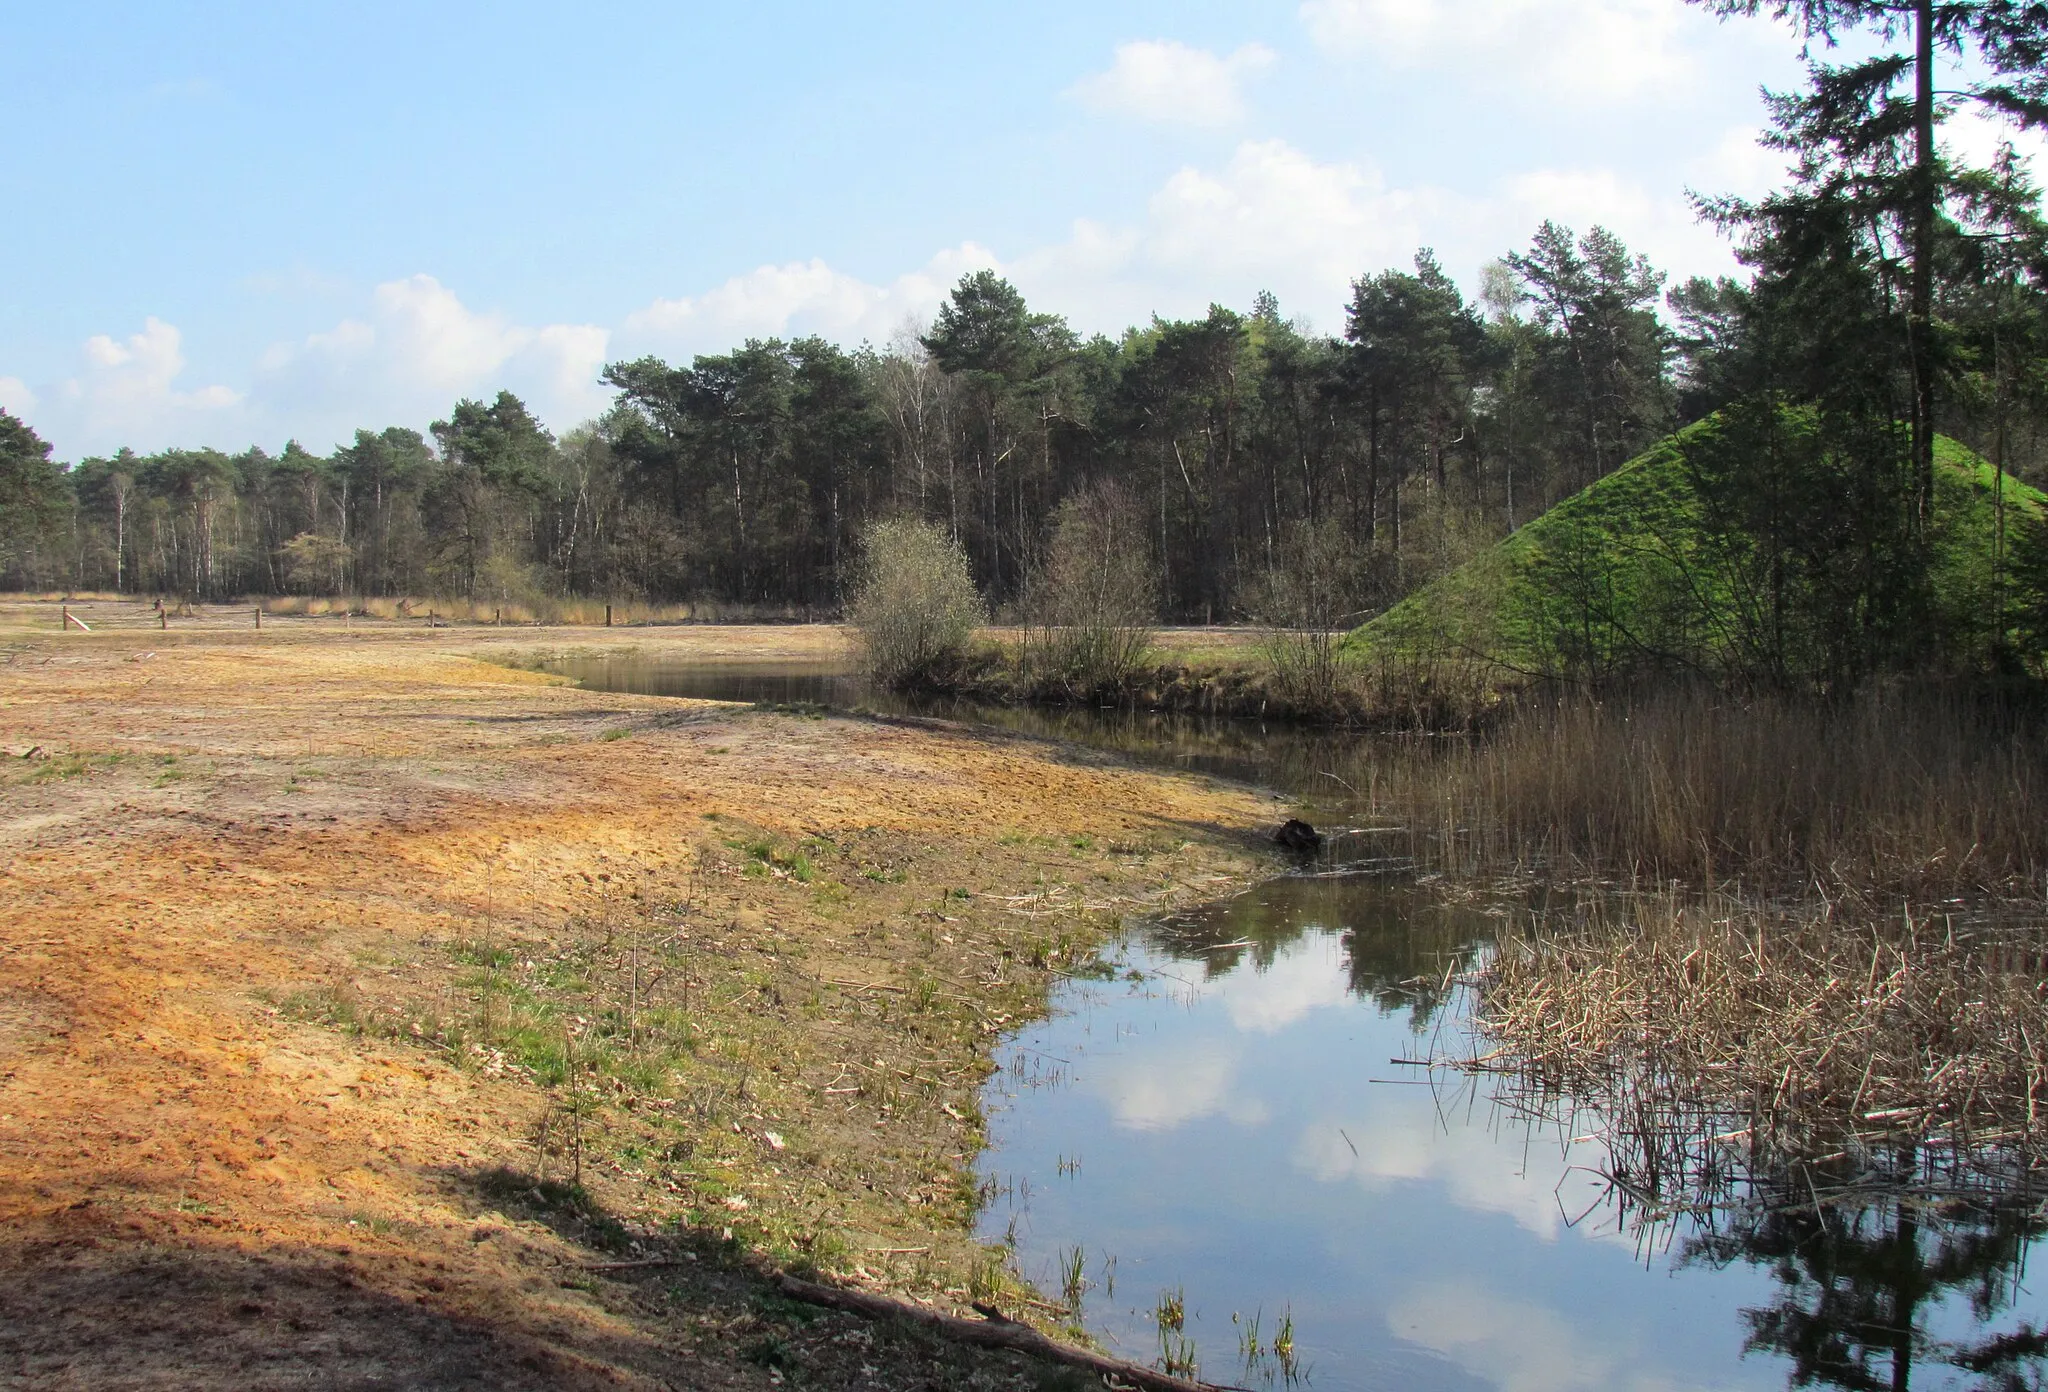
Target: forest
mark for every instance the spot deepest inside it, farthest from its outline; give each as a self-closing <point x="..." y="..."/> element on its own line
<point x="1431" y="426"/>
<point x="1891" y="291"/>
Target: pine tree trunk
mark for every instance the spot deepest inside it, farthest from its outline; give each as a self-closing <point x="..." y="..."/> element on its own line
<point x="1920" y="326"/>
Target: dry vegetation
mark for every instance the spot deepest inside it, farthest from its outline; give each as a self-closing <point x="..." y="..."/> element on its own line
<point x="1924" y="793"/>
<point x="1718" y="1047"/>
<point x="1846" y="957"/>
<point x="376" y="1012"/>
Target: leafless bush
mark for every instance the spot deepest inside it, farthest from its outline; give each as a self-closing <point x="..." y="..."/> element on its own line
<point x="914" y="604"/>
<point x="1098" y="595"/>
<point x="1307" y="601"/>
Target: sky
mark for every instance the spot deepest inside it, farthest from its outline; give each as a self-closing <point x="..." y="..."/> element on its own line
<point x="242" y="223"/>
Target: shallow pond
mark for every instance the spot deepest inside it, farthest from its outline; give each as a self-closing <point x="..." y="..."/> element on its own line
<point x="1232" y="1121"/>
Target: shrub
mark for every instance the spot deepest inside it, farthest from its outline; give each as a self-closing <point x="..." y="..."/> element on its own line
<point x="1098" y="595"/>
<point x="914" y="605"/>
<point x="1306" y="599"/>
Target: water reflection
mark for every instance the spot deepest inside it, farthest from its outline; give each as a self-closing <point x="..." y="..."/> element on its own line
<point x="1869" y="1294"/>
<point x="1246" y="1124"/>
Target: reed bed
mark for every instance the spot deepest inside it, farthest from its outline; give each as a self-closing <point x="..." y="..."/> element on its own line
<point x="1689" y="1035"/>
<point x="1926" y="793"/>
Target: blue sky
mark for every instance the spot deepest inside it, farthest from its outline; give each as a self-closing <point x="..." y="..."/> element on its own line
<point x="235" y="223"/>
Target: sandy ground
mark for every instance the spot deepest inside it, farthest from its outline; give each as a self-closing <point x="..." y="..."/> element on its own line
<point x="262" y="893"/>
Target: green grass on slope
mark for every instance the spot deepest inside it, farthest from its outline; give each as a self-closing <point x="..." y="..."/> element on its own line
<point x="1626" y="570"/>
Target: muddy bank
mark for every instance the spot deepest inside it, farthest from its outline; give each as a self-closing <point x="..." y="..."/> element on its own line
<point x="374" y="1010"/>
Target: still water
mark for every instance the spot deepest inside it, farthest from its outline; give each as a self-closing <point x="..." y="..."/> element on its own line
<point x="1233" y="1120"/>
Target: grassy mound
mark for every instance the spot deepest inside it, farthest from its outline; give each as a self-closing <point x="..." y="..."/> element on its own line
<point x="1629" y="571"/>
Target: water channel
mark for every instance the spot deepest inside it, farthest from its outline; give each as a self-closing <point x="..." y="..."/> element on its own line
<point x="1229" y="1124"/>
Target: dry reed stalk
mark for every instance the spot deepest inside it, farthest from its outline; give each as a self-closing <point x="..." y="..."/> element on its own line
<point x="1916" y="791"/>
<point x="1689" y="1024"/>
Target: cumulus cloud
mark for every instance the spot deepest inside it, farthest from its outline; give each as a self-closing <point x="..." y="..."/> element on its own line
<point x="1268" y="216"/>
<point x="800" y="297"/>
<point x="1275" y="209"/>
<point x="419" y="348"/>
<point x="1172" y="83"/>
<point x="1974" y="136"/>
<point x="126" y="388"/>
<point x="1572" y="50"/>
<point x="1273" y="217"/>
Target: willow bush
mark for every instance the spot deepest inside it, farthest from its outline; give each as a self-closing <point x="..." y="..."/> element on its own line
<point x="914" y="606"/>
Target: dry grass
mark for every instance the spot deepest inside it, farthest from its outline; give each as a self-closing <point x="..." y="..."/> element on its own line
<point x="1687" y="1036"/>
<point x="567" y="612"/>
<point x="1921" y="793"/>
<point x="575" y="612"/>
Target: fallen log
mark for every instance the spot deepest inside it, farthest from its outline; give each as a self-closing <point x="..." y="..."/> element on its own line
<point x="996" y="1331"/>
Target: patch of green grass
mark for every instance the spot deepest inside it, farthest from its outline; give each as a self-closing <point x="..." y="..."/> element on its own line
<point x="1628" y="565"/>
<point x="472" y="953"/>
<point x="765" y="857"/>
<point x="616" y="734"/>
<point x="62" y="766"/>
<point x="808" y="710"/>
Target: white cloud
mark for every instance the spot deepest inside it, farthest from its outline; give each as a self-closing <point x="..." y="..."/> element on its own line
<point x="1974" y="135"/>
<point x="140" y="371"/>
<point x="1518" y="1345"/>
<point x="417" y="350"/>
<point x="1737" y="164"/>
<point x="798" y="298"/>
<point x="1273" y="217"/>
<point x="127" y="389"/>
<point x="1170" y="82"/>
<point x="1273" y="210"/>
<point x="1269" y="216"/>
<point x="1574" y="51"/>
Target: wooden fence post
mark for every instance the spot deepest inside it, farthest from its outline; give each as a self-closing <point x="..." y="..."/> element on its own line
<point x="607" y="616"/>
<point x="259" y="618"/>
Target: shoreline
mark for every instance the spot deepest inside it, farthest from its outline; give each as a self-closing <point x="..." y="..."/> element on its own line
<point x="368" y="947"/>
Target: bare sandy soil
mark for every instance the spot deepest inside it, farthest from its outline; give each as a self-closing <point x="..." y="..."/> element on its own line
<point x="286" y="920"/>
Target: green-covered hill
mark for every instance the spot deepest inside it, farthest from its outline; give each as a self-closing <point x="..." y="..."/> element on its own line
<point x="1645" y="567"/>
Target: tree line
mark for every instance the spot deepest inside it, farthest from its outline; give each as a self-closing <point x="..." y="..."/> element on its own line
<point x="1889" y="292"/>
<point x="1432" y="425"/>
